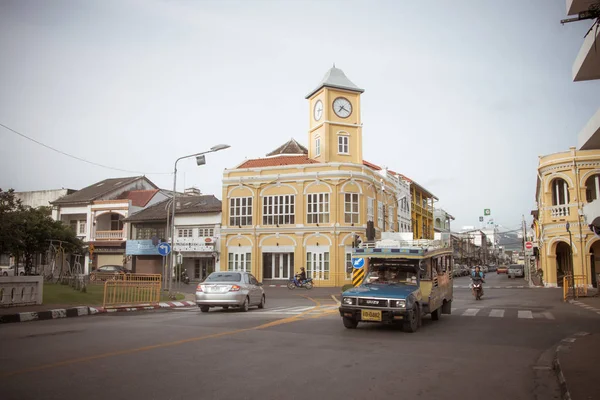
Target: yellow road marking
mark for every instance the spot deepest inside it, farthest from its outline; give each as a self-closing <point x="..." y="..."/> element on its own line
<point x="163" y="345"/>
<point x="335" y="299"/>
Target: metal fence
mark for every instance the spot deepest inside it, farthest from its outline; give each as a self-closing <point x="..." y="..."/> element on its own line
<point x="99" y="278"/>
<point x="574" y="286"/>
<point x="132" y="291"/>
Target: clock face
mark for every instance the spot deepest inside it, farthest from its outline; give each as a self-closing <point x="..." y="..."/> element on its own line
<point x="318" y="110"/>
<point x="342" y="107"/>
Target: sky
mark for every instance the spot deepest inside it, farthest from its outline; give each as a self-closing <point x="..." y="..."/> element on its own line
<point x="460" y="96"/>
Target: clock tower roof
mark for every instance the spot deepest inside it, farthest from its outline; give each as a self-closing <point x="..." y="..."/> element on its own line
<point x="335" y="78"/>
<point x="290" y="147"/>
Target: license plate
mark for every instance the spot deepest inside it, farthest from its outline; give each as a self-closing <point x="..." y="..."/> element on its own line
<point x="370" y="315"/>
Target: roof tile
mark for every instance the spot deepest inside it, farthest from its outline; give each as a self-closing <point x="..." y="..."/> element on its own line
<point x="276" y="161"/>
<point x="139" y="198"/>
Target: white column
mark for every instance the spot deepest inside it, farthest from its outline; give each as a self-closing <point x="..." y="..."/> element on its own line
<point x="597" y="186"/>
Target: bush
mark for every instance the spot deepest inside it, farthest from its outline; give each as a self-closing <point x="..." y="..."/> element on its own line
<point x="346" y="287"/>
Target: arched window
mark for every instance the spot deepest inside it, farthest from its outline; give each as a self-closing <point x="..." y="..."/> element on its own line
<point x="560" y="192"/>
<point x="592" y="188"/>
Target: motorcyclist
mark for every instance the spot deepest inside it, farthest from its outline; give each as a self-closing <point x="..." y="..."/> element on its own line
<point x="301" y="276"/>
<point x="478" y="274"/>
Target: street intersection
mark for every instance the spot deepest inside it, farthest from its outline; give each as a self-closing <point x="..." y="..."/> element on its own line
<point x="296" y="347"/>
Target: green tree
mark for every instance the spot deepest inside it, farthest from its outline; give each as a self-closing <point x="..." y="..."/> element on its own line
<point x="26" y="232"/>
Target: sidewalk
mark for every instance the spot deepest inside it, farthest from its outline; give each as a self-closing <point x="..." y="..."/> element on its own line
<point x="578" y="362"/>
<point x="53" y="311"/>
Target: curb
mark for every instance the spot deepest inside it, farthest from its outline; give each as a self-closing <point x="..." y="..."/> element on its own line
<point x="564" y="389"/>
<point x="85" y="310"/>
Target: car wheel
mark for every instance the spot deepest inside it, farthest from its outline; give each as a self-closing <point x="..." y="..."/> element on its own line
<point x="21" y="273"/>
<point x="245" y="305"/>
<point x="225" y="307"/>
<point x="5" y="274"/>
<point x="413" y="323"/>
<point x="204" y="308"/>
<point x="262" y="302"/>
<point x="350" y="323"/>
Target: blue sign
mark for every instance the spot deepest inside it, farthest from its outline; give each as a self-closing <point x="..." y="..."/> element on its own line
<point x="358" y="263"/>
<point x="140" y="248"/>
<point x="164" y="249"/>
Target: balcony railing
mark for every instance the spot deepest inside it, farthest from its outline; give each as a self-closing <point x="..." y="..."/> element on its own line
<point x="560" y="211"/>
<point x="109" y="235"/>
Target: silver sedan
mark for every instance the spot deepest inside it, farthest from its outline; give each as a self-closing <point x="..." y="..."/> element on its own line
<point x="230" y="289"/>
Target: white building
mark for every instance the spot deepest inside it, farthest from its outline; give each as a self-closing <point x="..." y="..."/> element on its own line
<point x="96" y="214"/>
<point x="586" y="67"/>
<point x="441" y="220"/>
<point x="42" y="198"/>
<point x="402" y="191"/>
<point x="197" y="232"/>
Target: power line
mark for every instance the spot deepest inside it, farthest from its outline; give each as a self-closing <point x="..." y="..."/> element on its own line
<point x="81" y="159"/>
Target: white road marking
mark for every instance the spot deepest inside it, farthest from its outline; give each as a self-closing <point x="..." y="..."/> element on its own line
<point x="548" y="315"/>
<point x="525" y="314"/>
<point x="497" y="313"/>
<point x="452" y="310"/>
<point x="471" y="312"/>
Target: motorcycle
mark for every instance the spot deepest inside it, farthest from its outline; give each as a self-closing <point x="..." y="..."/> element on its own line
<point x="295" y="282"/>
<point x="184" y="277"/>
<point x="477" y="288"/>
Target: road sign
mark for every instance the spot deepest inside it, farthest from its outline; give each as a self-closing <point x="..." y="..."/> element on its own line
<point x="357" y="276"/>
<point x="164" y="249"/>
<point x="358" y="263"/>
<point x="487" y="211"/>
<point x="528" y="245"/>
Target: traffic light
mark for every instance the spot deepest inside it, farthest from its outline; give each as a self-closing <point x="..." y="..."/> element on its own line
<point x="357" y="241"/>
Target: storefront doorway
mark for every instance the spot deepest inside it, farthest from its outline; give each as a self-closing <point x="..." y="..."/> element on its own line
<point x="203" y="267"/>
<point x="278" y="265"/>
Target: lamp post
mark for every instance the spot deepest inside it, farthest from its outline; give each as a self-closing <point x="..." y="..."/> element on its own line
<point x="200" y="161"/>
<point x="568" y="226"/>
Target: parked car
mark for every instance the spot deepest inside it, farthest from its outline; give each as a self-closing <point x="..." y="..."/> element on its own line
<point x="502" y="269"/>
<point x="107" y="272"/>
<point x="516" y="271"/>
<point x="230" y="289"/>
<point x="10" y="271"/>
<point x="466" y="270"/>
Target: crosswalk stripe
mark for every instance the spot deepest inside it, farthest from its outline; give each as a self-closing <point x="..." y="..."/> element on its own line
<point x="471" y="312"/>
<point x="497" y="313"/>
<point x="548" y="315"/>
<point x="525" y="314"/>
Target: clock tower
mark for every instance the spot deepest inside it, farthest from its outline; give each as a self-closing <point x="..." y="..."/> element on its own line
<point x="335" y="133"/>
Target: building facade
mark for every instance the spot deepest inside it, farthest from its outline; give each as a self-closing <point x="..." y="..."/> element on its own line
<point x="568" y="186"/>
<point x="567" y="182"/>
<point x="306" y="206"/>
<point x="197" y="232"/>
<point x="441" y="220"/>
<point x="96" y="214"/>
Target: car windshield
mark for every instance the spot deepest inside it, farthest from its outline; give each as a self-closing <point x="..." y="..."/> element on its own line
<point x="391" y="277"/>
<point x="224" y="277"/>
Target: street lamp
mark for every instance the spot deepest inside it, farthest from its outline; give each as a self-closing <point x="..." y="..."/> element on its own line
<point x="200" y="160"/>
<point x="568" y="226"/>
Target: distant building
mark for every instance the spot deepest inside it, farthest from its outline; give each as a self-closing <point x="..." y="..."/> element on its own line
<point x="42" y="198"/>
<point x="441" y="220"/>
<point x="197" y="232"/>
<point x="96" y="215"/>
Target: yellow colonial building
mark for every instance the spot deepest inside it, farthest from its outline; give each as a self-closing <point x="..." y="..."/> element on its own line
<point x="305" y="206"/>
<point x="568" y="183"/>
